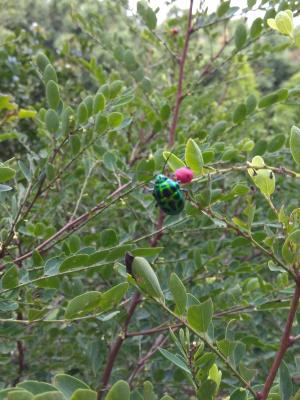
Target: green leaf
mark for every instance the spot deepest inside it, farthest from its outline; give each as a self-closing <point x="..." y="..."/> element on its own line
<point x="207" y="390"/>
<point x="82" y="113"/>
<point x="226" y="347"/>
<point x="6" y="174"/>
<point x="42" y="61"/>
<point x="52" y="121"/>
<point x="74" y="243"/>
<point x="8" y="136"/>
<point x="119" y="390"/>
<point x="251" y="103"/>
<point x="173" y="161"/>
<point x="146" y="277"/>
<point x="276" y="143"/>
<point x="215" y="375"/>
<point x="200" y="316"/>
<point x="99" y="103"/>
<point x="165" y="112"/>
<point x="240" y="36"/>
<point x="83" y="304"/>
<point x="272" y="98"/>
<point x="52" y="94"/>
<point x="67" y="119"/>
<point x="239" y="394"/>
<point x="75" y="144"/>
<point x="101" y="123"/>
<point x="239" y="114"/>
<point x="84" y="394"/>
<point x="115" y="119"/>
<point x="193" y="157"/>
<point x="285" y="382"/>
<point x="147" y="85"/>
<point x="118" y="252"/>
<point x="68" y="384"/>
<point x="36" y="387"/>
<point x="115" y="88"/>
<point x="147" y="14"/>
<point x="291" y="247"/>
<point x="5" y="188"/>
<point x="25" y="171"/>
<point x="256" y="27"/>
<point x="223" y="8"/>
<point x="89" y="102"/>
<point x="284" y="22"/>
<point x="75" y="261"/>
<point x="175" y="360"/>
<point x="145" y="170"/>
<point x="50" y="172"/>
<point x="49" y="396"/>
<point x="130" y="61"/>
<point x="49" y="74"/>
<point x="8" y="305"/>
<point x="34" y="313"/>
<point x="294" y="145"/>
<point x="150" y="18"/>
<point x="109" y="238"/>
<point x="6" y="102"/>
<point x="260" y="147"/>
<point x="10" y="278"/>
<point x="18" y="394"/>
<point x="112" y="297"/>
<point x="178" y="292"/>
<point x="146" y="251"/>
<point x="149" y="391"/>
<point x="37" y="258"/>
<point x="219" y="127"/>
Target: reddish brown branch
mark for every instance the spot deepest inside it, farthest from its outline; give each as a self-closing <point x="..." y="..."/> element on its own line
<point x="182" y="60"/>
<point x="286" y="341"/>
<point x="116" y="345"/>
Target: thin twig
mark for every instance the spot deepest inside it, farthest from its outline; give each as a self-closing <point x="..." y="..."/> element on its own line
<point x="82" y="190"/>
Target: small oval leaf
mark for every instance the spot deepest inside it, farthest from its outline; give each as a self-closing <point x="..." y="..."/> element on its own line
<point x="295" y="144"/>
<point x="200" y="316"/>
<point x="193" y="157"/>
<point x="52" y="94"/>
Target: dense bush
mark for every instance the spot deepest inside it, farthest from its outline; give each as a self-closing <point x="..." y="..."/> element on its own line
<point x="98" y="284"/>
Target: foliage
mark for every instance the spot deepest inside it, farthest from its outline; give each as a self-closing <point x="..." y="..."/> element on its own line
<point x="97" y="284"/>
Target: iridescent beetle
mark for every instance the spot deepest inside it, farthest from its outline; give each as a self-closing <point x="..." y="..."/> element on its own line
<point x="168" y="195"/>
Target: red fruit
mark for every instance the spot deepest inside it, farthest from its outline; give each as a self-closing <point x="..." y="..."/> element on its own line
<point x="174" y="31"/>
<point x="184" y="175"/>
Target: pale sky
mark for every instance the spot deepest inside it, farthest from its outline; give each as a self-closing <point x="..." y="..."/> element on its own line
<point x="211" y="4"/>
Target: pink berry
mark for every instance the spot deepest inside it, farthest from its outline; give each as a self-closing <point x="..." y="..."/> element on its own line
<point x="184" y="175"/>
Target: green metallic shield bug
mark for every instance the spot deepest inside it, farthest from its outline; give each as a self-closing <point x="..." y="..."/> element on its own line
<point x="168" y="195"/>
